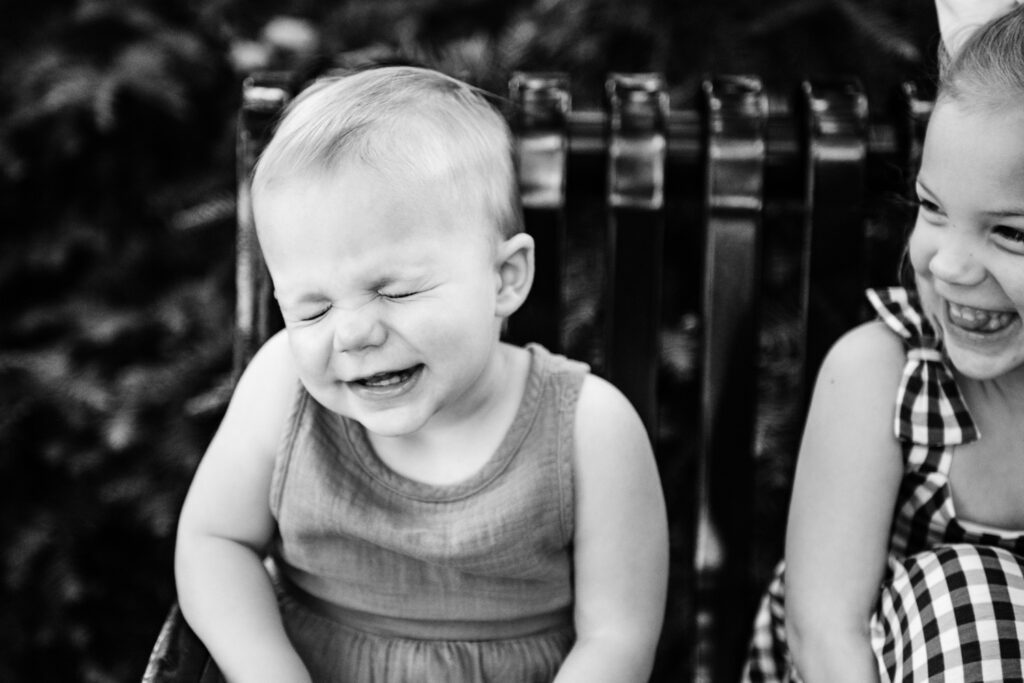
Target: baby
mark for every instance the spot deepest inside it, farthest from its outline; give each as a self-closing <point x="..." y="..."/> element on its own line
<point x="394" y="493"/>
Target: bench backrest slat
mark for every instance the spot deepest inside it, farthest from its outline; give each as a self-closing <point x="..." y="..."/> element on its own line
<point x="635" y="196"/>
<point x="736" y="114"/>
<point x="835" y="121"/>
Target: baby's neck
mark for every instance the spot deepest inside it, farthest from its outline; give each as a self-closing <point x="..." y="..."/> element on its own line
<point x="451" y="451"/>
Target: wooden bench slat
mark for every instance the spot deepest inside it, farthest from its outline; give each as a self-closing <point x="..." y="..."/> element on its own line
<point x="637" y="147"/>
<point x="256" y="315"/>
<point x="835" y="120"/>
<point x="540" y="107"/>
<point x="736" y="111"/>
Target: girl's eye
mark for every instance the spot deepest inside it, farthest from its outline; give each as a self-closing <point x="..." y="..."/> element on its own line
<point x="927" y="205"/>
<point x="1013" y="238"/>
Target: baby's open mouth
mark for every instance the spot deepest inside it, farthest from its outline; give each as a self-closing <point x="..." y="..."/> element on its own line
<point x="383" y="380"/>
<point x="979" y="319"/>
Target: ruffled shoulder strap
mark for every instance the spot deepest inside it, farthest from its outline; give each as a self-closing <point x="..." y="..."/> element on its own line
<point x="930" y="409"/>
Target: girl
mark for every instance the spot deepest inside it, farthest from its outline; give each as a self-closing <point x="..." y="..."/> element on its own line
<point x="925" y="500"/>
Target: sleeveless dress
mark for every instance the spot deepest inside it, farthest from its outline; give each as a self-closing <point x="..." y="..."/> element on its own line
<point x="381" y="578"/>
<point x="951" y="607"/>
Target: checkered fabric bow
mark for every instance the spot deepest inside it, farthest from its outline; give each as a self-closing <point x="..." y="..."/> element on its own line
<point x="930" y="409"/>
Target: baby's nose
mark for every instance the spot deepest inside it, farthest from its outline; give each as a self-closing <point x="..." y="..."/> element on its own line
<point x="355" y="330"/>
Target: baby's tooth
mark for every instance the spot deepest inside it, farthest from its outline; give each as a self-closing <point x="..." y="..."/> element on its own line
<point x="386" y="379"/>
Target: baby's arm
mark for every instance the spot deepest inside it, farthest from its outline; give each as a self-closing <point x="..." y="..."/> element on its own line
<point x="225" y="526"/>
<point x="621" y="542"/>
<point x="844" y="491"/>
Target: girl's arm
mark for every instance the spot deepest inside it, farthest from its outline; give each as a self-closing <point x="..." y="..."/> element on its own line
<point x="225" y="526"/>
<point x="844" y="491"/>
<point x="621" y="542"/>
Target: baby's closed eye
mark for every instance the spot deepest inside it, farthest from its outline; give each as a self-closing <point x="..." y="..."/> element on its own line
<point x="396" y="294"/>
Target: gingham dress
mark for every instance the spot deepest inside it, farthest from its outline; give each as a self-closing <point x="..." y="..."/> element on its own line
<point x="951" y="607"/>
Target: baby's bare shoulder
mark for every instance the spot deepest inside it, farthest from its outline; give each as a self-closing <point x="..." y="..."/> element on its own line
<point x="266" y="390"/>
<point x="607" y="423"/>
<point x="272" y="365"/>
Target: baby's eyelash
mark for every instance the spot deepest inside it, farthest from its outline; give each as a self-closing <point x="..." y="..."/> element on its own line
<point x="315" y="316"/>
<point x="395" y="295"/>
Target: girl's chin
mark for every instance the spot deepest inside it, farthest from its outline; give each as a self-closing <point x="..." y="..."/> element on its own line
<point x="984" y="371"/>
<point x="985" y="356"/>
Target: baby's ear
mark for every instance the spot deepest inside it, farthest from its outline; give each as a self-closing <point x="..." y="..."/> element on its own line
<point x="515" y="273"/>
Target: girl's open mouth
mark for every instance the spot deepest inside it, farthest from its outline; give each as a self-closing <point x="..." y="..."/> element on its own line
<point x="979" y="320"/>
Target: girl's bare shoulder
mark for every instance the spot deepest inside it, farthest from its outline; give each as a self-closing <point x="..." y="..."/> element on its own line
<point x="869" y="355"/>
<point x="851" y="413"/>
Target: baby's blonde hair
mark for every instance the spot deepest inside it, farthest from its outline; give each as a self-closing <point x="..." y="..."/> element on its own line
<point x="987" y="71"/>
<point x="407" y="123"/>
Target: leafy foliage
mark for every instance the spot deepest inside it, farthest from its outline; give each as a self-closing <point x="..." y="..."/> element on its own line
<point x="117" y="185"/>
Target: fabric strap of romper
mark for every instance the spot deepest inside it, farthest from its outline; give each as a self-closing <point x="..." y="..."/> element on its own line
<point x="930" y="410"/>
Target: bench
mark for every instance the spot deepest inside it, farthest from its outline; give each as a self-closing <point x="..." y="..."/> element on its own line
<point x="701" y="258"/>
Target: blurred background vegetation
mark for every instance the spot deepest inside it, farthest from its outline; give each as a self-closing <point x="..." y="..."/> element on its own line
<point x="116" y="243"/>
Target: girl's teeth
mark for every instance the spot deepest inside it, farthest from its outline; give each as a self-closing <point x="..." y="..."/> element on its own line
<point x="977" y="319"/>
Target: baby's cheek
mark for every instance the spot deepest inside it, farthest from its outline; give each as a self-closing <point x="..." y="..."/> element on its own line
<point x="310" y="352"/>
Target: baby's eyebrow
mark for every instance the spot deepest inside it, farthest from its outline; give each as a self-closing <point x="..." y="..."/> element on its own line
<point x="392" y="280"/>
<point x="301" y="299"/>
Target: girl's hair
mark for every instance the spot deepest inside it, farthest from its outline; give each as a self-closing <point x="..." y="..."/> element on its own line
<point x="987" y="71"/>
<point x="408" y="123"/>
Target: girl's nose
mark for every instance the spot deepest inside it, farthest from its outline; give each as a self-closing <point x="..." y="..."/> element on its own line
<point x="956" y="260"/>
<point x="357" y="330"/>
